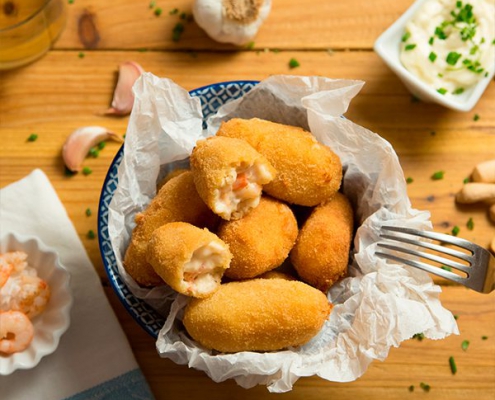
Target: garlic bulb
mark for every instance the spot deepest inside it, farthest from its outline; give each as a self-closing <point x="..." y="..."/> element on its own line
<point x="231" y="21"/>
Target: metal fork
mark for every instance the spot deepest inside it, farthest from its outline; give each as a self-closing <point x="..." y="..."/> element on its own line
<point x="479" y="264"/>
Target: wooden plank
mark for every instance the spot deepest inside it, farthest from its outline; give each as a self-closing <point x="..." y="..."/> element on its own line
<point x="62" y="92"/>
<point x="413" y="362"/>
<point x="291" y="25"/>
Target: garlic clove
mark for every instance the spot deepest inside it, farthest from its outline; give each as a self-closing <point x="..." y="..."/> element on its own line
<point x="231" y="21"/>
<point x="79" y="143"/>
<point x="123" y="98"/>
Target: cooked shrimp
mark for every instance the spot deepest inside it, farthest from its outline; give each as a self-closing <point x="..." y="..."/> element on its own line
<point x="16" y="332"/>
<point x="11" y="262"/>
<point x="5" y="271"/>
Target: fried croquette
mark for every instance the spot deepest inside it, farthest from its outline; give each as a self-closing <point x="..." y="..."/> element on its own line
<point x="261" y="240"/>
<point x="189" y="259"/>
<point x="170" y="175"/>
<point x="229" y="175"/>
<point x="177" y="200"/>
<point x="321" y="253"/>
<point x="257" y="315"/>
<point x="308" y="172"/>
<point x="276" y="275"/>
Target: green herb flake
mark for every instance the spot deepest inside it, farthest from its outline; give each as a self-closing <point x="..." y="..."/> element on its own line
<point x="81" y="54"/>
<point x="70" y="1"/>
<point x="293" y="63"/>
<point x="432" y="39"/>
<point x="174" y="11"/>
<point x="474" y="49"/>
<point x="88" y="212"/>
<point x="453" y="57"/>
<point x="158" y="11"/>
<point x="68" y="172"/>
<point x="410" y="47"/>
<point x="446" y="268"/>
<point x="32" y="137"/>
<point x="411" y="388"/>
<point x="177" y="31"/>
<point x="183" y="16"/>
<point x="455" y="230"/>
<point x="453" y="366"/>
<point x="484" y="337"/>
<point x="465" y="345"/>
<point x="432" y="56"/>
<point x="101" y="145"/>
<point x="470" y="224"/>
<point x="419" y="336"/>
<point x="440" y="33"/>
<point x="425" y="386"/>
<point x="152" y="4"/>
<point x="91" y="234"/>
<point x="456" y="317"/>
<point x="465" y="180"/>
<point x="458" y="91"/>
<point x="409" y="180"/>
<point x="250" y="45"/>
<point x="442" y="91"/>
<point x="406" y="36"/>
<point x="493" y="41"/>
<point x="476" y="117"/>
<point x="94" y="152"/>
<point x="438" y="175"/>
<point x="87" y="171"/>
<point x="458" y="4"/>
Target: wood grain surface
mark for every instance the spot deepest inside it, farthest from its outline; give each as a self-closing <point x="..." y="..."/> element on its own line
<point x="71" y="85"/>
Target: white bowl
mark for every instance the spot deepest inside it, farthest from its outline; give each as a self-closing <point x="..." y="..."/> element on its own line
<point x="387" y="46"/>
<point x="55" y="319"/>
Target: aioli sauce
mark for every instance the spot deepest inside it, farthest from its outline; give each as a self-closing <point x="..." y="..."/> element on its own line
<point x="450" y="44"/>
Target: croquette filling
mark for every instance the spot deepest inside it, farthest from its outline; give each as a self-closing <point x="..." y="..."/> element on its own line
<point x="202" y="274"/>
<point x="241" y="190"/>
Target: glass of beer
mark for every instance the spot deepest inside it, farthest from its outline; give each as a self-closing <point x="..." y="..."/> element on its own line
<point x="28" y="28"/>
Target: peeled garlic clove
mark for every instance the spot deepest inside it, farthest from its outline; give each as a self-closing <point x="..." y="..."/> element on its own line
<point x="79" y="142"/>
<point x="231" y="21"/>
<point x="123" y="98"/>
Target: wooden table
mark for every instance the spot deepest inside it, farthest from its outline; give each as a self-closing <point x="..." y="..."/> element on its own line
<point x="73" y="83"/>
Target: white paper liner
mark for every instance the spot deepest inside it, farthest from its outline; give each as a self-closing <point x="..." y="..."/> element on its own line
<point x="378" y="306"/>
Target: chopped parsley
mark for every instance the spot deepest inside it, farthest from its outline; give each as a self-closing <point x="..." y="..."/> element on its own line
<point x="158" y="11"/>
<point x="470" y="224"/>
<point x="458" y="91"/>
<point x="453" y="366"/>
<point x="406" y="36"/>
<point x="437" y="175"/>
<point x="87" y="171"/>
<point x="293" y="63"/>
<point x="91" y="234"/>
<point x="410" y="47"/>
<point x="409" y="180"/>
<point x="88" y="212"/>
<point x="476" y="117"/>
<point x="465" y="345"/>
<point x="455" y="230"/>
<point x="465" y="180"/>
<point x="425" y="386"/>
<point x="432" y="56"/>
<point x="177" y="31"/>
<point x="442" y="90"/>
<point x="452" y="58"/>
<point x="32" y="137"/>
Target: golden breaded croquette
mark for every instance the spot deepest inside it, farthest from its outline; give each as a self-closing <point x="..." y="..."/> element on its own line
<point x="229" y="175"/>
<point x="261" y="240"/>
<point x="308" y="172"/>
<point x="189" y="259"/>
<point x="178" y="200"/>
<point x="257" y="315"/>
<point x="321" y="253"/>
<point x="276" y="275"/>
<point x="170" y="175"/>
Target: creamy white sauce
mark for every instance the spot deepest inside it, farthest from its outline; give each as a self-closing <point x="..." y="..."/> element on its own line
<point x="434" y="50"/>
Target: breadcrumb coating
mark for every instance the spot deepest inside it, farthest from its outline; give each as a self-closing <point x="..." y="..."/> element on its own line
<point x="308" y="172"/>
<point x="257" y="315"/>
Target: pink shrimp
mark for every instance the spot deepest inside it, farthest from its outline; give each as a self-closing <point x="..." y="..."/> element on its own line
<point x="11" y="262"/>
<point x="5" y="271"/>
<point x="16" y="332"/>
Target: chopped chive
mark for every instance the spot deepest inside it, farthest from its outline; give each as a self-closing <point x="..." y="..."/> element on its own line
<point x="432" y="56"/>
<point x="455" y="230"/>
<point x="81" y="54"/>
<point x="470" y="224"/>
<point x="158" y="11"/>
<point x="453" y="366"/>
<point x="411" y="388"/>
<point x="68" y="172"/>
<point x="476" y="117"/>
<point x="406" y="36"/>
<point x="456" y="317"/>
<point x="440" y="75"/>
<point x="458" y="4"/>
<point x="425" y="386"/>
<point x="437" y="175"/>
<point x="474" y="49"/>
<point x="442" y="90"/>
<point x="458" y="91"/>
<point x="409" y="180"/>
<point x="88" y="212"/>
<point x="410" y="47"/>
<point x="177" y="31"/>
<point x="493" y="41"/>
<point x="87" y="171"/>
<point x="32" y="137"/>
<point x="465" y="180"/>
<point x="440" y="33"/>
<point x="486" y="74"/>
<point x="91" y="234"/>
<point x="432" y="39"/>
<point x="415" y="99"/>
<point x="70" y="1"/>
<point x="174" y="11"/>
<point x="142" y="50"/>
<point x="250" y="45"/>
<point x="101" y="145"/>
<point x="452" y="58"/>
<point x="446" y="268"/>
<point x="419" y="336"/>
<point x="152" y="4"/>
<point x="293" y="63"/>
<point x="93" y="152"/>
<point x="484" y="337"/>
<point x="465" y="345"/>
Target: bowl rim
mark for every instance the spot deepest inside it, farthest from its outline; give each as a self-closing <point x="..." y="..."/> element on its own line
<point x="394" y="32"/>
<point x="101" y="206"/>
<point x="64" y="311"/>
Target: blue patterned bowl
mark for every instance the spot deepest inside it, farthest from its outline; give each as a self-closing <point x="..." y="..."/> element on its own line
<point x="212" y="97"/>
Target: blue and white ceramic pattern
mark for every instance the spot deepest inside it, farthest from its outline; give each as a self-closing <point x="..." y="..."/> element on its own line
<point x="212" y="98"/>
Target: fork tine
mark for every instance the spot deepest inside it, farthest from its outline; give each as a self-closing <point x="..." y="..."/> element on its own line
<point x="441" y="237"/>
<point x="425" y="267"/>
<point x="428" y="256"/>
<point x="431" y="246"/>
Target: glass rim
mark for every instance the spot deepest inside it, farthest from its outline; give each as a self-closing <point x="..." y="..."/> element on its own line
<point x="28" y="18"/>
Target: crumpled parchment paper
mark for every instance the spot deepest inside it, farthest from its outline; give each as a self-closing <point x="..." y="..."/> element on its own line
<point x="378" y="306"/>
